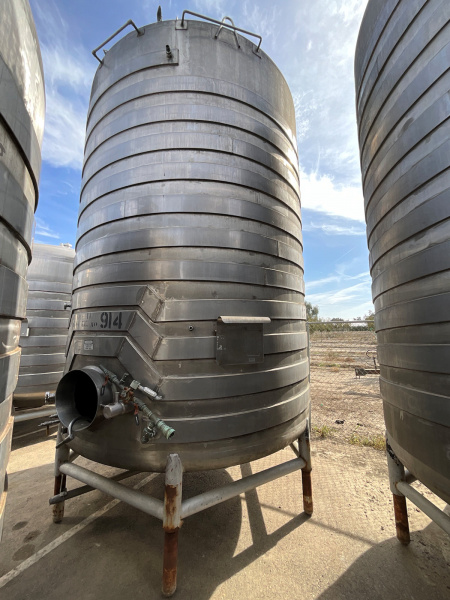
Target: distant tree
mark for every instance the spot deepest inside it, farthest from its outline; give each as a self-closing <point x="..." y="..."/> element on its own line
<point x="335" y="325"/>
<point x="367" y="322"/>
<point x="312" y="312"/>
<point x="370" y="318"/>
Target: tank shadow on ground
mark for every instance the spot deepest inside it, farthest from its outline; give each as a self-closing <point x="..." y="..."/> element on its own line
<point x="216" y="562"/>
<point x="122" y="548"/>
<point x="29" y="433"/>
<point x="390" y="570"/>
<point x="32" y="439"/>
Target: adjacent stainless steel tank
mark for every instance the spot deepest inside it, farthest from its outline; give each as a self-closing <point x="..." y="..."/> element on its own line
<point x="22" y="109"/>
<point x="188" y="271"/>
<point x="44" y="332"/>
<point x="403" y="106"/>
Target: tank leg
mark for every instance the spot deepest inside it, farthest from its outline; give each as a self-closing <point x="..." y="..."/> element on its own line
<point x="304" y="446"/>
<point x="172" y="522"/>
<point x="396" y="474"/>
<point x="61" y="456"/>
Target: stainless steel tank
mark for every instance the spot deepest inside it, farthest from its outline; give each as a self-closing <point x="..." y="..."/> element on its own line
<point x="22" y="109"/>
<point x="403" y="107"/>
<point x="44" y="332"/>
<point x="188" y="271"/>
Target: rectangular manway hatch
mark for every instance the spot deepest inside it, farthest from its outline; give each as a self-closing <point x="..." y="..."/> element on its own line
<point x="240" y="340"/>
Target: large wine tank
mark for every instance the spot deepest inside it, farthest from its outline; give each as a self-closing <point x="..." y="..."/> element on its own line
<point x="403" y="107"/>
<point x="188" y="270"/>
<point x="22" y="109"/>
<point x="44" y="332"/>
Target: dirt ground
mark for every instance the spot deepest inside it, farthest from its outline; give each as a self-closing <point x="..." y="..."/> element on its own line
<point x="348" y="405"/>
<point x="345" y="406"/>
<point x="258" y="546"/>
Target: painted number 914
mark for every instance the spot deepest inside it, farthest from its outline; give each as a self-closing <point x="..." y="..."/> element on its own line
<point x="109" y="320"/>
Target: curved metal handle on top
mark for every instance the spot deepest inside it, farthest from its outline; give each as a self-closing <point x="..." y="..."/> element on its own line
<point x="234" y="31"/>
<point x="129" y="22"/>
<point x="222" y="24"/>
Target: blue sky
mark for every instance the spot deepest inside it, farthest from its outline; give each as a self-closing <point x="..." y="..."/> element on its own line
<point x="313" y="45"/>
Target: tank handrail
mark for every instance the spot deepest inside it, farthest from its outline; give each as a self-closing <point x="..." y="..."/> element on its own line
<point x="222" y="24"/>
<point x="221" y="27"/>
<point x="129" y="22"/>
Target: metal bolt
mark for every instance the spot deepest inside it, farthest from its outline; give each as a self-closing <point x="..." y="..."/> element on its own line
<point x="191" y="328"/>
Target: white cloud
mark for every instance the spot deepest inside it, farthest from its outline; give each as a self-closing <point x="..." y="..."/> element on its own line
<point x="322" y="194"/>
<point x="43" y="230"/>
<point x="64" y="131"/>
<point x="332" y="229"/>
<point x="262" y="22"/>
<point x="322" y="282"/>
<point x="69" y="66"/>
<point x="358" y="310"/>
<point x="320" y="42"/>
<point x="351" y="9"/>
<point x="212" y="8"/>
<point x="68" y="71"/>
<point x="305" y="107"/>
<point x="338" y="278"/>
<point x="148" y="10"/>
<point x="341" y="296"/>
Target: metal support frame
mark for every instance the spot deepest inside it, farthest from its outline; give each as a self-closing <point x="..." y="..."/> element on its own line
<point x="34" y="413"/>
<point x="172" y="522"/>
<point x="68" y="494"/>
<point x="62" y="456"/>
<point x="304" y="444"/>
<point x="173" y="509"/>
<point x="400" y="482"/>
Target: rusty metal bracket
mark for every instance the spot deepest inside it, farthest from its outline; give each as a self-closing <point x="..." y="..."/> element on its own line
<point x="171" y="523"/>
<point x="397" y="473"/>
<point x="304" y="449"/>
<point x="400" y="482"/>
<point x="62" y="455"/>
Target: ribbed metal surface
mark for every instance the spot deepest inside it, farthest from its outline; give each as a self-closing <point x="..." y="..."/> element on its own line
<point x="189" y="211"/>
<point x="22" y="108"/>
<point x="403" y="104"/>
<point x="43" y="340"/>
